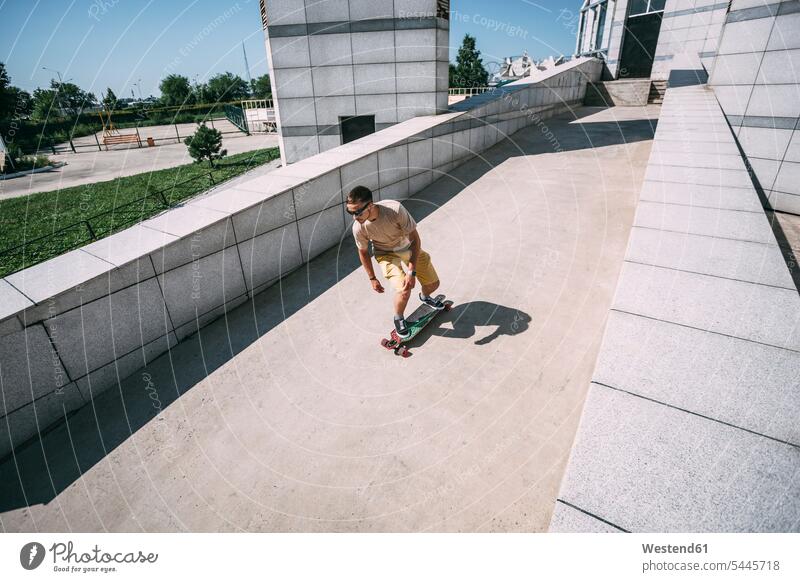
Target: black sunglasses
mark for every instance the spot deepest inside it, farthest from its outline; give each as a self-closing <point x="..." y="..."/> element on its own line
<point x="359" y="212"/>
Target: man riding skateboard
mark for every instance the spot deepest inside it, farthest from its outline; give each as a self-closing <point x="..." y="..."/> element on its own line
<point x="395" y="241"/>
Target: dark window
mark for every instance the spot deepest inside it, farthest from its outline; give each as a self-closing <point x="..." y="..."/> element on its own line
<point x="656" y="5"/>
<point x="356" y="127"/>
<point x="601" y="24"/>
<point x="263" y="14"/>
<point x="443" y="9"/>
<point x="638" y="7"/>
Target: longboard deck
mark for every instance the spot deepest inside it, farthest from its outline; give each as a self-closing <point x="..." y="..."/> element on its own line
<point x="417" y="321"/>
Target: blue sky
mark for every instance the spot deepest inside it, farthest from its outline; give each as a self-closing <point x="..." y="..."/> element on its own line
<point x="114" y="43"/>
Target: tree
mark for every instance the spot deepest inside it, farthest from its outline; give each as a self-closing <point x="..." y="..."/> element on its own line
<point x="20" y="103"/>
<point x="6" y="103"/>
<point x="205" y="144"/>
<point x="110" y="99"/>
<point x="226" y="87"/>
<point x="452" y="75"/>
<point x="44" y="104"/>
<point x="175" y="90"/>
<point x="71" y="98"/>
<point x="14" y="102"/>
<point x="469" y="71"/>
<point x="261" y="87"/>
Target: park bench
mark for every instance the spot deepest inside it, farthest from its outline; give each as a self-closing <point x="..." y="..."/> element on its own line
<point x="122" y="139"/>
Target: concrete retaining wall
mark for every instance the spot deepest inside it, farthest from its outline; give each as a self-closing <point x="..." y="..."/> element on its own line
<point x="690" y="424"/>
<point x="76" y="325"/>
<point x="625" y="92"/>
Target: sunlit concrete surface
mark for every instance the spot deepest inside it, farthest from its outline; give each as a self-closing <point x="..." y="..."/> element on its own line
<point x="89" y="165"/>
<point x="287" y="415"/>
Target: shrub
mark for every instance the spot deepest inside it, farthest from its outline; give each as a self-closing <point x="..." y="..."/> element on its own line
<point x="206" y="144"/>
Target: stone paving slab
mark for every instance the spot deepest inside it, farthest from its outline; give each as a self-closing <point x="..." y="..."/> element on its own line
<point x="59" y="274"/>
<point x="646" y="467"/>
<point x="129" y="244"/>
<point x="710" y="176"/>
<point x="721" y="197"/>
<point x="731" y="259"/>
<point x="746" y="384"/>
<point x="569" y="520"/>
<point x="732" y="224"/>
<point x="763" y="314"/>
<point x="11" y="300"/>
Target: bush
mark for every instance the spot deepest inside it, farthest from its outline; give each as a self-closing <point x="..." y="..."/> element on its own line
<point x="22" y="163"/>
<point x="206" y="144"/>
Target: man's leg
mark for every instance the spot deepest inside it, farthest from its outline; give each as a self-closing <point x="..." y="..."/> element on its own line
<point x="430" y="288"/>
<point x="400" y="301"/>
<point x="428" y="278"/>
<point x="393" y="271"/>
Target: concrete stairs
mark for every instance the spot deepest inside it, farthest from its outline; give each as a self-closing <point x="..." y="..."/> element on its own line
<point x="657" y="90"/>
<point x="620" y="92"/>
<point x="626" y="92"/>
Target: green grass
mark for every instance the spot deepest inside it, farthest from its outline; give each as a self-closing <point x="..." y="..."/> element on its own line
<point x="42" y="215"/>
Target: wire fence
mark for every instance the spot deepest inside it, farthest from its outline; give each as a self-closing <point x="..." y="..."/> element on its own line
<point x="138" y="136"/>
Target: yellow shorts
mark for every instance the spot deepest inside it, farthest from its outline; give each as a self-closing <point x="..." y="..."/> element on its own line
<point x="391" y="265"/>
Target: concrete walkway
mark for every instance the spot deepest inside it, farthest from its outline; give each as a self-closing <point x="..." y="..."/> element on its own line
<point x="288" y="416"/>
<point x="90" y="165"/>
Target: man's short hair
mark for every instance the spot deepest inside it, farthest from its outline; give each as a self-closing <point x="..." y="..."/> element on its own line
<point x="359" y="195"/>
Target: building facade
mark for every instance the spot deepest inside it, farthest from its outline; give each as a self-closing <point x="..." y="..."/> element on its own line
<point x="342" y="69"/>
<point x="750" y="52"/>
<point x="640" y="38"/>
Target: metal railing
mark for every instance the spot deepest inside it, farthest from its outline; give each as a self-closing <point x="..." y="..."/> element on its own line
<point x="468" y="91"/>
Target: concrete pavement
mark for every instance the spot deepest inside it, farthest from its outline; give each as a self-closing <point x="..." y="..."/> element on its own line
<point x="286" y="415"/>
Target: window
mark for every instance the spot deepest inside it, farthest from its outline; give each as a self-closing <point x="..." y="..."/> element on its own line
<point x="356" y="127"/>
<point x="263" y="13"/>
<point x="601" y="24"/>
<point x="638" y="7"/>
<point x="443" y="9"/>
<point x="592" y="22"/>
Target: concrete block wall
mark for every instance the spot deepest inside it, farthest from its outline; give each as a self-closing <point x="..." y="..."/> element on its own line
<point x="76" y="325"/>
<point x="756" y="78"/>
<point x="335" y="58"/>
<point x="690" y="423"/>
<point x="690" y="33"/>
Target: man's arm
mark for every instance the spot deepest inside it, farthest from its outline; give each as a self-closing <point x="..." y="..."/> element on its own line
<point x="366" y="261"/>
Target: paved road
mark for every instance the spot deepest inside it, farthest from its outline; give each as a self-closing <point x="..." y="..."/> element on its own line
<point x="90" y="165"/>
<point x="288" y="416"/>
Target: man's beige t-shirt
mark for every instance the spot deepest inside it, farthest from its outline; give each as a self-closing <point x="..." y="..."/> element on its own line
<point x="388" y="232"/>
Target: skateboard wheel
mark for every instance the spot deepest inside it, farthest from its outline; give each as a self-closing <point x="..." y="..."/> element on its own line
<point x="385" y="343"/>
<point x="448" y="306"/>
<point x="405" y="353"/>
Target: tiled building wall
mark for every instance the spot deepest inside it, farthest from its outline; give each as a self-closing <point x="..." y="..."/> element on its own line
<point x="690" y="28"/>
<point x="617" y="32"/>
<point x="75" y="325"/>
<point x="333" y="58"/>
<point x="756" y="78"/>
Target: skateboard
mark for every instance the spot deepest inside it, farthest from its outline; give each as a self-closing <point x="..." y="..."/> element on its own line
<point x="417" y="321"/>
